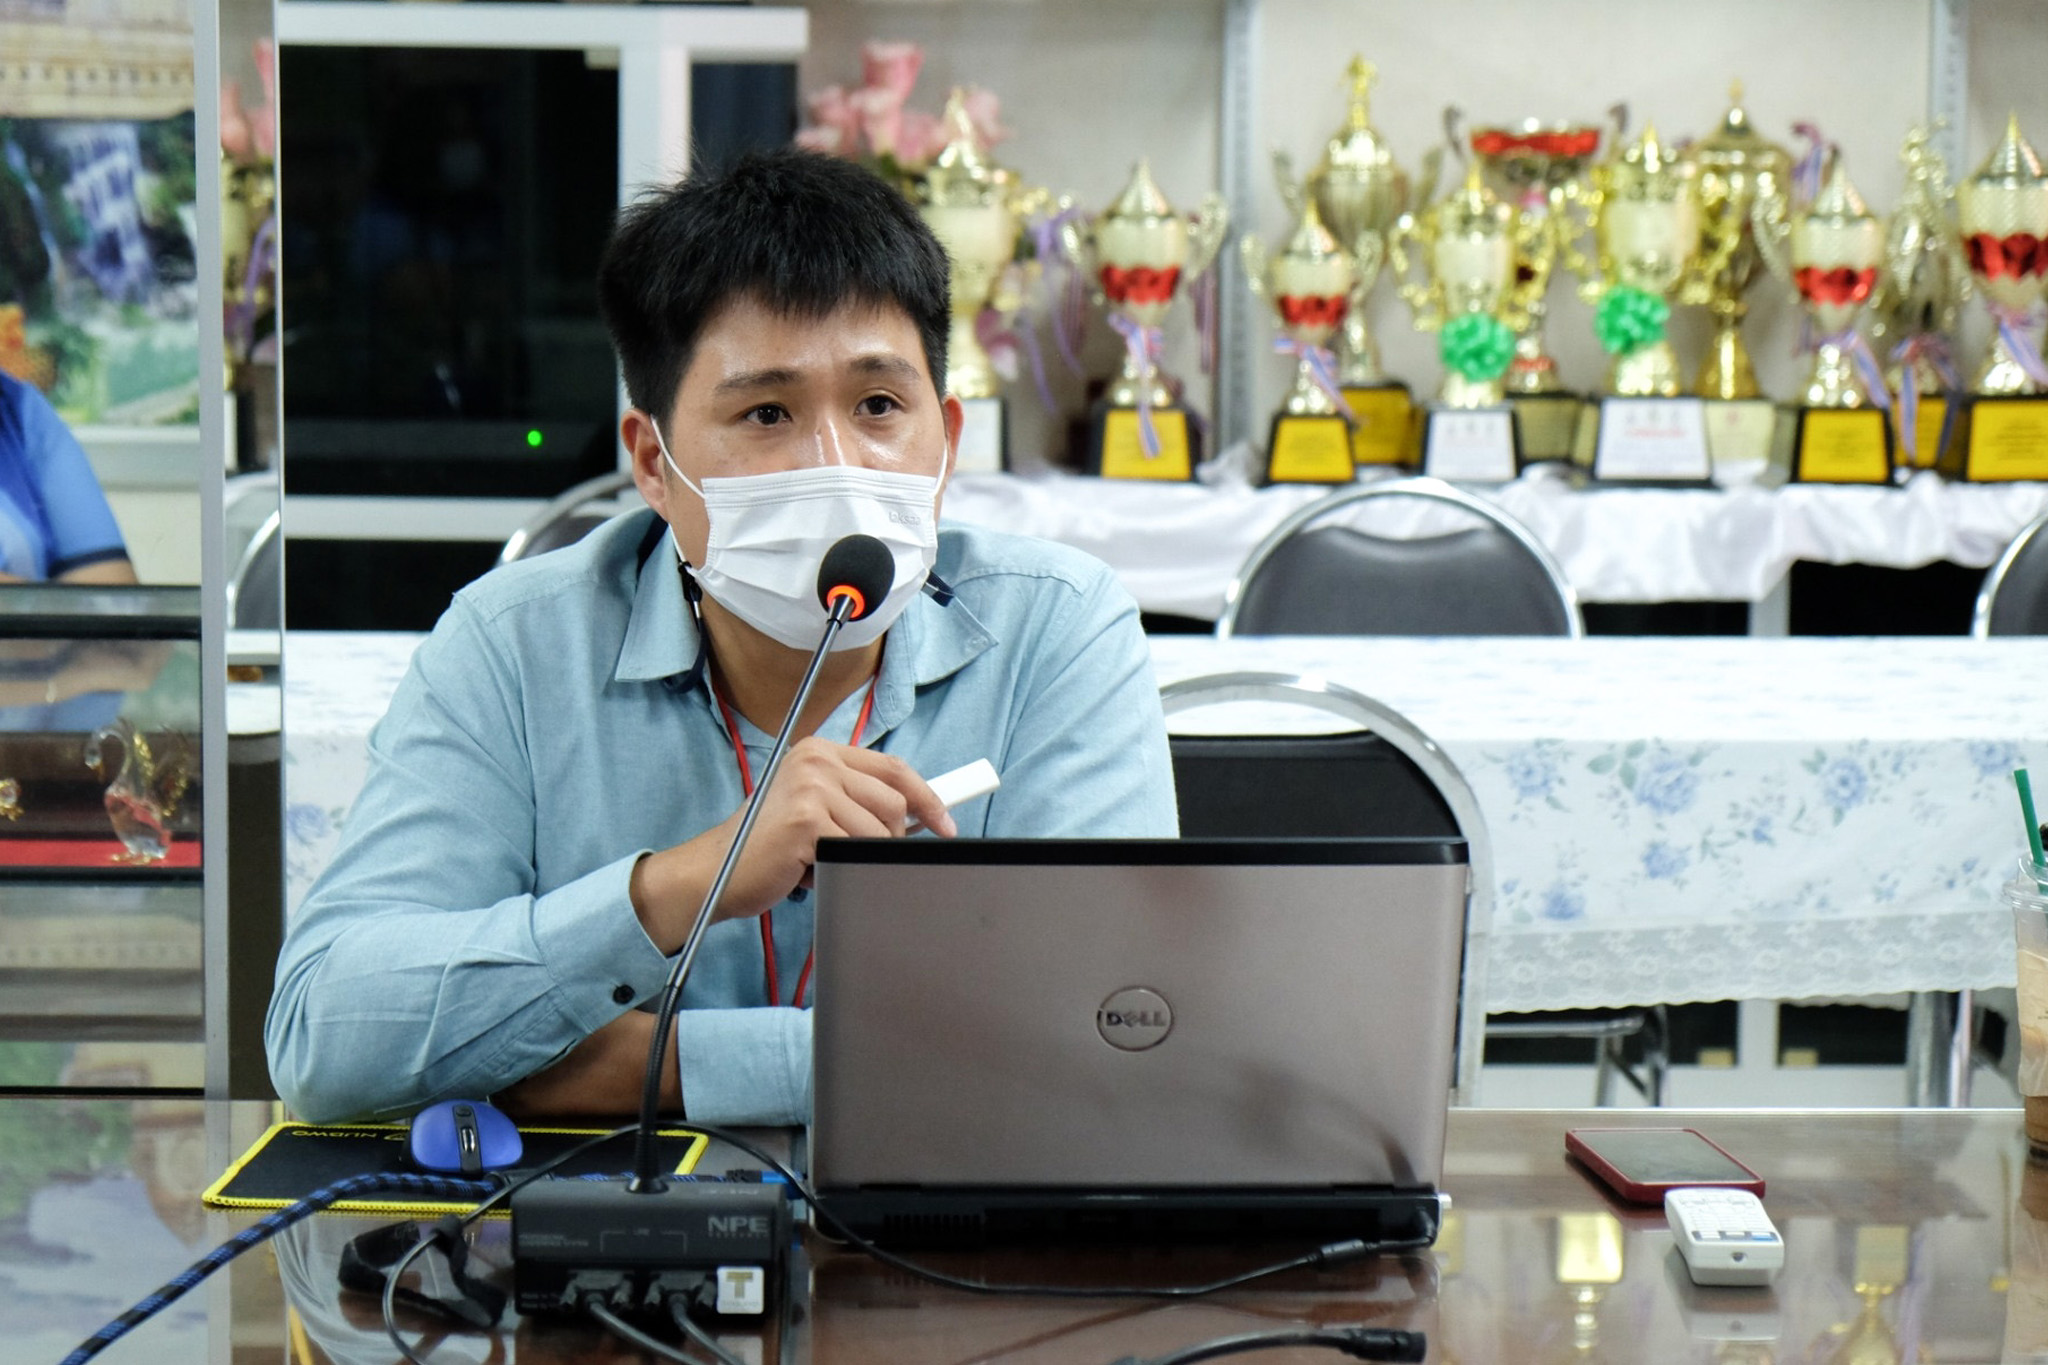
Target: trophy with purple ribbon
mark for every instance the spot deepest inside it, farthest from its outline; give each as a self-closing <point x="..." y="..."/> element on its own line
<point x="1138" y="252"/>
<point x="1309" y="285"/>
<point x="2003" y="213"/>
<point x="1918" y="304"/>
<point x="1830" y="252"/>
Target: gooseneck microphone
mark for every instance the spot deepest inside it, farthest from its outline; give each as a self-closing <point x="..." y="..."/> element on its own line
<point x="853" y="578"/>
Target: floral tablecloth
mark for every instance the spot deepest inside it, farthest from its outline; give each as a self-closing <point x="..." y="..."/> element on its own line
<point x="1672" y="819"/>
<point x="1712" y="819"/>
<point x="1175" y="547"/>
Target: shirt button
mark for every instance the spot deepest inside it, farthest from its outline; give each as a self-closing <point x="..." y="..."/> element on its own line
<point x="622" y="995"/>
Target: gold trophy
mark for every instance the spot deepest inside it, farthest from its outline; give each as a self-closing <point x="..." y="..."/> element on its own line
<point x="1310" y="285"/>
<point x="2002" y="211"/>
<point x="1137" y="252"/>
<point x="1642" y="209"/>
<point x="1829" y="252"/>
<point x="1737" y="166"/>
<point x="1360" y="191"/>
<point x="1466" y="291"/>
<point x="1918" y="304"/>
<point x="1540" y="167"/>
<point x="967" y="203"/>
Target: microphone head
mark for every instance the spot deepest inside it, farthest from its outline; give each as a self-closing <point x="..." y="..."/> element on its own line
<point x="858" y="567"/>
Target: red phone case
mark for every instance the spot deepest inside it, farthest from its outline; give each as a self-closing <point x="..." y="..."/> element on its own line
<point x="1651" y="1191"/>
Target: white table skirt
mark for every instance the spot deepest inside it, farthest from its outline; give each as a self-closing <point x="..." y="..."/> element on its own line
<point x="1672" y="820"/>
<point x="1175" y="547"/>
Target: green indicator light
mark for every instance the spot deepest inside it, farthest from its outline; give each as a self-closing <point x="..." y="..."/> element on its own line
<point x="533" y="439"/>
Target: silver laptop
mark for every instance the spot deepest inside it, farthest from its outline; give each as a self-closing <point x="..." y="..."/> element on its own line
<point x="1176" y="1036"/>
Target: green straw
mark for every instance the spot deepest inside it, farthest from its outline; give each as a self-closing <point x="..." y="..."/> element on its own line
<point x="2019" y="779"/>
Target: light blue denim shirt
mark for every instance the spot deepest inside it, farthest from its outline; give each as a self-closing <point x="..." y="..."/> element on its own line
<point x="475" y="925"/>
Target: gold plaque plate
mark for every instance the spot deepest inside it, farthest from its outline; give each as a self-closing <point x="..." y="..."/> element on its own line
<point x="1739" y="430"/>
<point x="2006" y="441"/>
<point x="1309" y="450"/>
<point x="1842" y="445"/>
<point x="1548" y="423"/>
<point x="1120" y="446"/>
<point x="1383" y="425"/>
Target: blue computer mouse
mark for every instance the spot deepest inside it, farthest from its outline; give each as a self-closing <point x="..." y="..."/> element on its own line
<point x="463" y="1137"/>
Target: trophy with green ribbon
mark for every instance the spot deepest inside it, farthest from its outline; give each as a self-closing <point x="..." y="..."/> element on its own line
<point x="1540" y="168"/>
<point x="1309" y="284"/>
<point x="1455" y="266"/>
<point x="1642" y="210"/>
<point x="2002" y="212"/>
<point x="1138" y="252"/>
<point x="1830" y="251"/>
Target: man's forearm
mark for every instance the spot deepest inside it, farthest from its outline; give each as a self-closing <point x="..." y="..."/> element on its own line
<point x="601" y="1077"/>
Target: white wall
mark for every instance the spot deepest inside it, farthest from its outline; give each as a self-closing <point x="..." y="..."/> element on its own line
<point x="161" y="527"/>
<point x="1089" y="86"/>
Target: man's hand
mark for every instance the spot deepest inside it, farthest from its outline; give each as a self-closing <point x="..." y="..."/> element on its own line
<point x="823" y="791"/>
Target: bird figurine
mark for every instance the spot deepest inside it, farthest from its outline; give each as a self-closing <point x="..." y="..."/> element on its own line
<point x="142" y="799"/>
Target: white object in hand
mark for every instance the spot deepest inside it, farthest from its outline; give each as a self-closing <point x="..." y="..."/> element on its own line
<point x="964" y="784"/>
<point x="1724" y="1235"/>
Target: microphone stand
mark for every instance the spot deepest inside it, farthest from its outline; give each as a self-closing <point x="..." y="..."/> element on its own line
<point x="646" y="1175"/>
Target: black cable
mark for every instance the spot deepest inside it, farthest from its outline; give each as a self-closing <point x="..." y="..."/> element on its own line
<point x="255" y="1235"/>
<point x="680" y="1311"/>
<point x="498" y="1196"/>
<point x="627" y="1331"/>
<point x="1362" y="1343"/>
<point x="1332" y="1253"/>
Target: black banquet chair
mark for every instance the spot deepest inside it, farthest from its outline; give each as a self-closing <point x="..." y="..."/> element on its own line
<point x="2014" y="598"/>
<point x="1314" y="575"/>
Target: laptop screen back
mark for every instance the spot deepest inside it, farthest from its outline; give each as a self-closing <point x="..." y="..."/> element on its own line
<point x="1135" y="1013"/>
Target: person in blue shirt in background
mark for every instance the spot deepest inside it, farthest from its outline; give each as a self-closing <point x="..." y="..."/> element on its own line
<point x="54" y="521"/>
<point x="562" y="769"/>
<point x="55" y="526"/>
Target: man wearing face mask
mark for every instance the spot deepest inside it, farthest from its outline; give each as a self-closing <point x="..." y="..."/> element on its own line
<point x="563" y="768"/>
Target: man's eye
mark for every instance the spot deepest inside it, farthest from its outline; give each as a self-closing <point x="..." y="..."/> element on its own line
<point x="767" y="414"/>
<point x="879" y="405"/>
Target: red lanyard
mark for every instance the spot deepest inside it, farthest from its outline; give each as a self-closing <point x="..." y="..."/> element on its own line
<point x="770" y="976"/>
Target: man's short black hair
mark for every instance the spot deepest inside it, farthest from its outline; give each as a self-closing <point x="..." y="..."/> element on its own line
<point x="803" y="233"/>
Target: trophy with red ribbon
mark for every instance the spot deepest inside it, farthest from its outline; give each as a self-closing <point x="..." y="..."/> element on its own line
<point x="1139" y="252"/>
<point x="1309" y="285"/>
<point x="1830" y="252"/>
<point x="2002" y="211"/>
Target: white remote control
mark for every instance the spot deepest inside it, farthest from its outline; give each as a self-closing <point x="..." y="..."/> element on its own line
<point x="1724" y="1235"/>
<point x="978" y="778"/>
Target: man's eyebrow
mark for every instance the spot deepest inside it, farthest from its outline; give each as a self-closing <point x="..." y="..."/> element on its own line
<point x="748" y="380"/>
<point x="884" y="362"/>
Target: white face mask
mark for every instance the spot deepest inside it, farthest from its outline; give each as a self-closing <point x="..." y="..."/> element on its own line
<point x="769" y="532"/>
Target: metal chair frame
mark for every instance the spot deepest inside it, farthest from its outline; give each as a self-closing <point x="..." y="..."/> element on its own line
<point x="1433" y="490"/>
<point x="1994" y="578"/>
<point x="590" y="490"/>
<point x="254" y="551"/>
<point x="1424" y="752"/>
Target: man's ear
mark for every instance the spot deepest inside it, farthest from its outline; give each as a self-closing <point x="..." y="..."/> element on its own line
<point x="636" y="430"/>
<point x="955" y="417"/>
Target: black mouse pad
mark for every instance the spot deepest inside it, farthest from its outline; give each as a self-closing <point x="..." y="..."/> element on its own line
<point x="294" y="1159"/>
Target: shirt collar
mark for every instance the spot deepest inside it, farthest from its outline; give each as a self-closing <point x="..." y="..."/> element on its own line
<point x="928" y="642"/>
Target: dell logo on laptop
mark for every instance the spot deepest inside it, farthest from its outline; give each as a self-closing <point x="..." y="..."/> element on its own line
<point x="1134" y="1019"/>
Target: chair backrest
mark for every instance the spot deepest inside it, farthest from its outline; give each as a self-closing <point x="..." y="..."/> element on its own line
<point x="2014" y="598"/>
<point x="1492" y="578"/>
<point x="256" y="587"/>
<point x="569" y="518"/>
<point x="1389" y="779"/>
